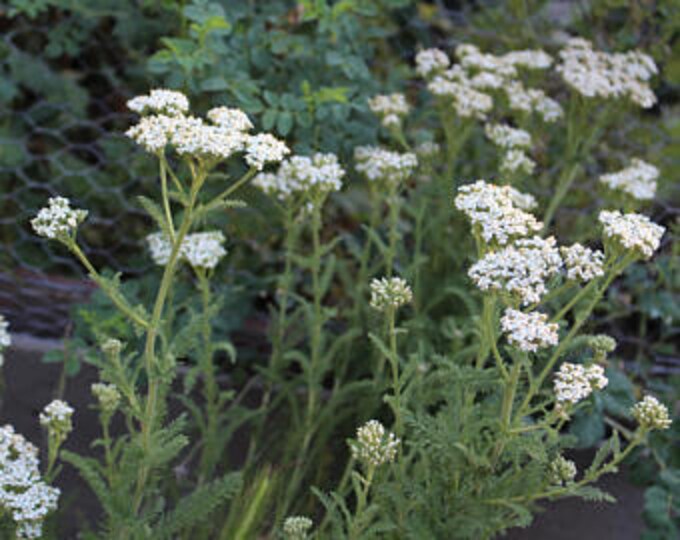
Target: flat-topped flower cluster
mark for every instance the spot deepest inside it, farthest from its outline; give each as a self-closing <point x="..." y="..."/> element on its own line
<point x="575" y="382"/>
<point x="201" y="250"/>
<point x="637" y="180"/>
<point x="497" y="212"/>
<point x="23" y="494"/>
<point x="303" y="177"/>
<point x="166" y="124"/>
<point x="58" y="220"/>
<point x="389" y="108"/>
<point x="598" y="74"/>
<point x="633" y="232"/>
<point x="382" y="165"/>
<point x="472" y="85"/>
<point x="529" y="331"/>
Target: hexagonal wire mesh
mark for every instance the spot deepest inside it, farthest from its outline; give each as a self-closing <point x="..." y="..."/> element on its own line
<point x="61" y="133"/>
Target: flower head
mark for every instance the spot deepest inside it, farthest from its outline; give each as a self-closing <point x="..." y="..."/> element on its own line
<point x="296" y="527"/>
<point x="390" y="293"/>
<point x="516" y="160"/>
<point x="374" y="445"/>
<point x="381" y="165"/>
<point x="638" y="180"/>
<point x="507" y="137"/>
<point x="575" y="382"/>
<point x="520" y="269"/>
<point x="230" y="119"/>
<point x="160" y="100"/>
<point x="303" y="176"/>
<point x="24" y="496"/>
<point x="264" y="148"/>
<point x="390" y="108"/>
<point x="58" y="220"/>
<point x="633" y="232"/>
<point x="160" y="248"/>
<point x="204" y="249"/>
<point x="429" y="61"/>
<point x="597" y="74"/>
<point x="529" y="331"/>
<point x="582" y="263"/>
<point x="562" y="471"/>
<point x="497" y="211"/>
<point x="651" y="414"/>
<point x="108" y="397"/>
<point x="56" y="418"/>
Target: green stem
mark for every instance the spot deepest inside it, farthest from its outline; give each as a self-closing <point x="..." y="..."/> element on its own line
<point x="210" y="389"/>
<point x="150" y="361"/>
<point x="119" y="302"/>
<point x="166" y="201"/>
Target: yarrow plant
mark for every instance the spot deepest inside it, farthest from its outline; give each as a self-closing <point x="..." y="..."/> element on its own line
<point x="467" y="350"/>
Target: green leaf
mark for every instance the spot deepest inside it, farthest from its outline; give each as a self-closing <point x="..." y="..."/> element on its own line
<point x="284" y="123"/>
<point x="268" y="119"/>
<point x="197" y="506"/>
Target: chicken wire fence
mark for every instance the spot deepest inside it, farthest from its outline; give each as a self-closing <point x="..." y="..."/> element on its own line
<point x="62" y="118"/>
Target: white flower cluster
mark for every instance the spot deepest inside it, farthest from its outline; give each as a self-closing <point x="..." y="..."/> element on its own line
<point x="390" y="293"/>
<point x="374" y="445"/>
<point x="204" y="249"/>
<point x="575" y="382"/>
<point x="264" y="148"/>
<point x="582" y="263"/>
<point x="429" y="61"/>
<point x="529" y="331"/>
<point x="224" y="135"/>
<point x="427" y="149"/>
<point x="468" y="82"/>
<point x="168" y="102"/>
<point x="632" y="231"/>
<point x="5" y="337"/>
<point x="651" y="414"/>
<point x="200" y="250"/>
<point x="231" y="119"/>
<point x="58" y="220"/>
<point x="530" y="100"/>
<point x="296" y="527"/>
<point x="303" y="175"/>
<point x="497" y="211"/>
<point x="607" y="75"/>
<point x="517" y="161"/>
<point x="520" y="269"/>
<point x="562" y="471"/>
<point x="23" y="493"/>
<point x="390" y="108"/>
<point x="56" y="417"/>
<point x="107" y="395"/>
<point x="507" y="137"/>
<point x="379" y="164"/>
<point x="637" y="180"/>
